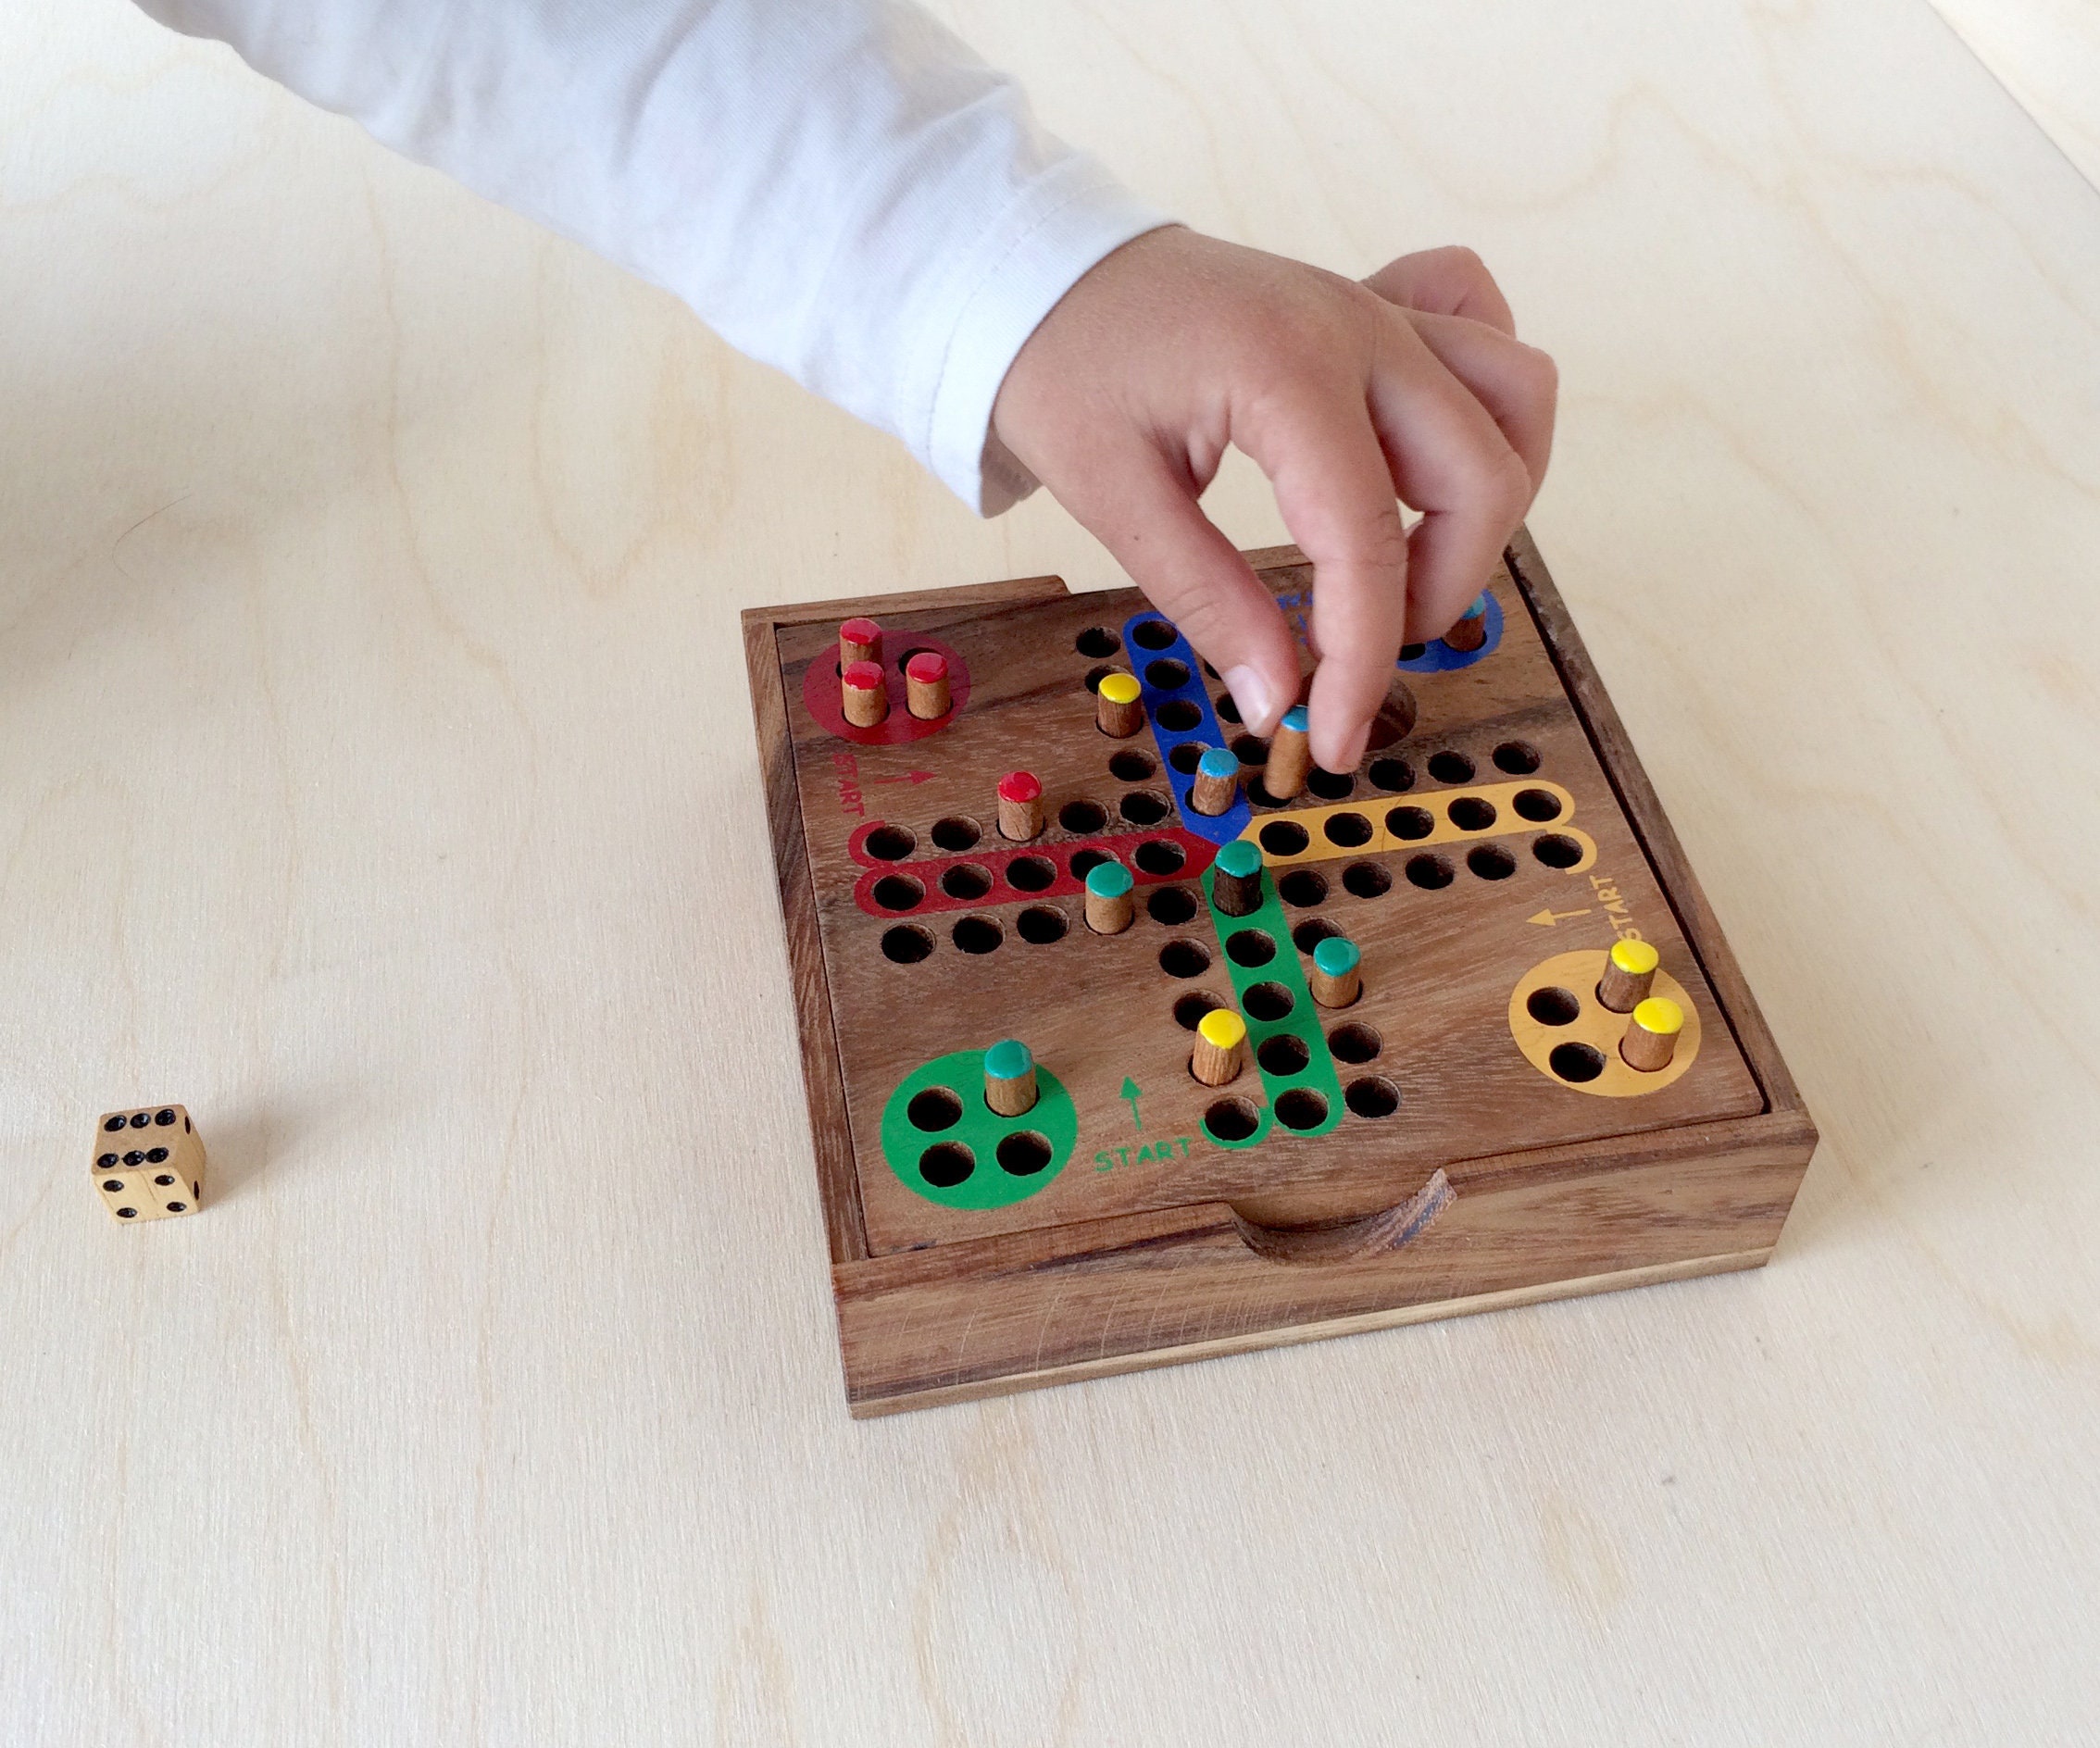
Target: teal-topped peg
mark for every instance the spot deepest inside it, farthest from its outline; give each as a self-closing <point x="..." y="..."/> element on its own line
<point x="1009" y="1076"/>
<point x="1109" y="906"/>
<point x="1470" y="631"/>
<point x="1235" y="882"/>
<point x="1337" y="973"/>
<point x="1290" y="757"/>
<point x="1217" y="784"/>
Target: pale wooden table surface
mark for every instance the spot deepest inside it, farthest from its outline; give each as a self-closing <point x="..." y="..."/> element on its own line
<point x="376" y="777"/>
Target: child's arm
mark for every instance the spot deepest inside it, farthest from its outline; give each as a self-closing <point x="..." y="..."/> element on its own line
<point x="842" y="190"/>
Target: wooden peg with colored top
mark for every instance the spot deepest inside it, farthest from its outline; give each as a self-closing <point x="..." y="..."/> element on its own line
<point x="1236" y="887"/>
<point x="1109" y="906"/>
<point x="1221" y="1047"/>
<point x="859" y="640"/>
<point x="1009" y="1078"/>
<point x="1020" y="805"/>
<point x="1117" y="707"/>
<point x="926" y="685"/>
<point x="1217" y="785"/>
<point x="861" y="690"/>
<point x="1337" y="976"/>
<point x="1629" y="971"/>
<point x="1471" y="630"/>
<point x="1651" y="1034"/>
<point x="1290" y="757"/>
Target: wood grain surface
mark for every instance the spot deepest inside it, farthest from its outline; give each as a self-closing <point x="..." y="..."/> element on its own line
<point x="376" y="779"/>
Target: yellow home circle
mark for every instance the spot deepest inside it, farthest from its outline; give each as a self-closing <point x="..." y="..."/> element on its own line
<point x="1120" y="689"/>
<point x="1658" y="1014"/>
<point x="1222" y="1028"/>
<point x="1636" y="958"/>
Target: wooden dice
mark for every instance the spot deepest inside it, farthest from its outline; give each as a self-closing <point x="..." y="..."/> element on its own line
<point x="149" y="1165"/>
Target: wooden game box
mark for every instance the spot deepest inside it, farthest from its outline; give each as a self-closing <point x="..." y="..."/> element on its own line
<point x="1464" y="1136"/>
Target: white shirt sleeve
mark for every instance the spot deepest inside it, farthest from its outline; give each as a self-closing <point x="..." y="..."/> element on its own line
<point x="838" y="187"/>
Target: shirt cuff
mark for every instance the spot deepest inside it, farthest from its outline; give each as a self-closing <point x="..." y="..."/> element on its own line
<point x="1070" y="218"/>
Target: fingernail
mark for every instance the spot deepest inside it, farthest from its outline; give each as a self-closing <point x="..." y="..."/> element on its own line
<point x="1250" y="691"/>
<point x="1353" y="749"/>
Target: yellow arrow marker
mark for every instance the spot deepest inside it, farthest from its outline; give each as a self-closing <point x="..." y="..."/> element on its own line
<point x="1547" y="917"/>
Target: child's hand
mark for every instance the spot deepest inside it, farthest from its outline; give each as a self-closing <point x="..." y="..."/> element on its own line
<point x="1410" y="385"/>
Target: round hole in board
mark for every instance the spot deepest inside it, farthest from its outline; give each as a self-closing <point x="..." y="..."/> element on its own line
<point x="1184" y="958"/>
<point x="1407" y="824"/>
<point x="1185" y="757"/>
<point x="1303" y="887"/>
<point x="1231" y="1119"/>
<point x="1373" y="1096"/>
<point x="1144" y="807"/>
<point x="1519" y="758"/>
<point x="956" y="833"/>
<point x="1268" y="1002"/>
<point x="1249" y="749"/>
<point x="1153" y="635"/>
<point x="1131" y="768"/>
<point x="906" y="945"/>
<point x="1311" y="933"/>
<point x="1160" y="857"/>
<point x="162" y="1180"/>
<point x="1259" y="797"/>
<point x="1283" y="837"/>
<point x="1355" y="1042"/>
<point x="1347" y="830"/>
<point x="114" y="1185"/>
<point x="1094" y="676"/>
<point x="1450" y="767"/>
<point x="1395" y="717"/>
<point x="1250" y="947"/>
<point x="1097" y="642"/>
<point x="1167" y="674"/>
<point x="1491" y="862"/>
<point x="977" y="935"/>
<point x="1301" y="1108"/>
<point x="1283" y="1056"/>
<point x="1039" y="925"/>
<point x="1172" y="906"/>
<point x="905" y="655"/>
<point x="1212" y="671"/>
<point x="1191" y="1008"/>
<point x="1031" y="873"/>
<point x="1469" y="813"/>
<point x="888" y="844"/>
<point x="1537" y="805"/>
<point x="1365" y="880"/>
<point x="1576" y="1062"/>
<point x="1329" y="785"/>
<point x="1177" y="715"/>
<point x="1413" y="652"/>
<point x="1085" y="861"/>
<point x="1082" y="819"/>
<point x="934" y="1109"/>
<point x="1553" y="1006"/>
<point x="965" y="881"/>
<point x="1226" y="706"/>
<point x="1395" y="776"/>
<point x="1555" y="850"/>
<point x="897" y="891"/>
<point x="1432" y="873"/>
<point x="1023" y="1154"/>
<point x="947" y="1164"/>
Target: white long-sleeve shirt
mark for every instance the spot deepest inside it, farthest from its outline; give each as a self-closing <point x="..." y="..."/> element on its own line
<point x="838" y="187"/>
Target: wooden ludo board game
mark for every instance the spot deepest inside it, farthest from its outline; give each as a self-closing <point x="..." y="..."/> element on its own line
<point x="1465" y="1135"/>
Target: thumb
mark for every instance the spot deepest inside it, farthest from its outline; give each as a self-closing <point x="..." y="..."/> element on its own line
<point x="1146" y="515"/>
